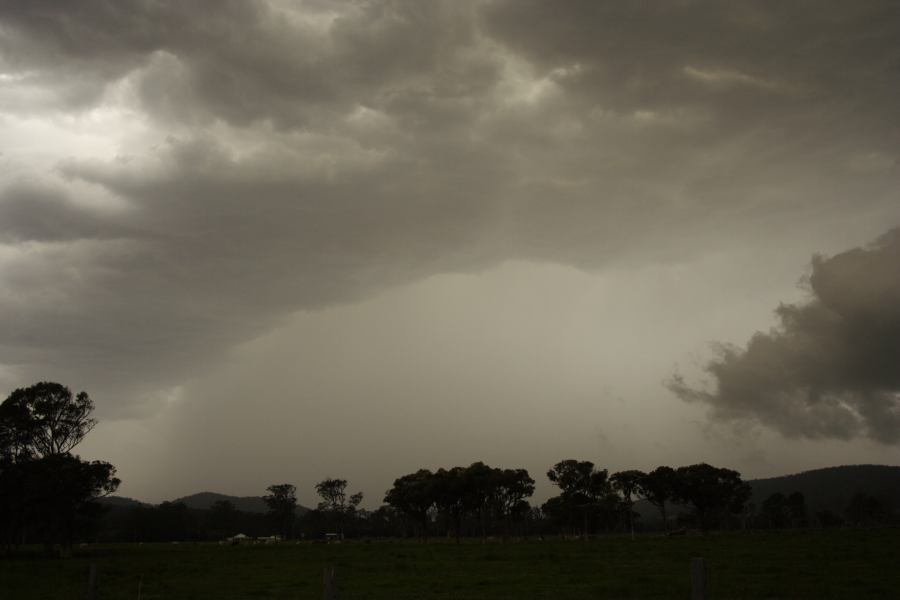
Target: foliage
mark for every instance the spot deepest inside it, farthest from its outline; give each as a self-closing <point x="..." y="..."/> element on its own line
<point x="658" y="487"/>
<point x="628" y="484"/>
<point x="865" y="509"/>
<point x="44" y="489"/>
<point x="713" y="493"/>
<point x="44" y="420"/>
<point x="413" y="496"/>
<point x="282" y="503"/>
<point x="586" y="497"/>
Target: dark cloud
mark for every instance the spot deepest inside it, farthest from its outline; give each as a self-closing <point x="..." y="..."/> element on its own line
<point x="283" y="63"/>
<point x="831" y="369"/>
<point x="35" y="213"/>
<point x="293" y="156"/>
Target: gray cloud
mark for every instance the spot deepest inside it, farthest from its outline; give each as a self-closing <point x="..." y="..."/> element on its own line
<point x="36" y="213"/>
<point x="284" y="63"/>
<point x="831" y="369"/>
<point x="301" y="155"/>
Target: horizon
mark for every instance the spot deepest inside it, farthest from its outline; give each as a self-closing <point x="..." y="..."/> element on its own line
<point x="297" y="240"/>
<point x="535" y="501"/>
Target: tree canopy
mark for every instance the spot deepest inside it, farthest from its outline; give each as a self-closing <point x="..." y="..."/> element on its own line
<point x="44" y="489"/>
<point x="282" y="503"/>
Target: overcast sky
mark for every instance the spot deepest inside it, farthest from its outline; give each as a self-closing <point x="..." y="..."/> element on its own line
<point x="280" y="241"/>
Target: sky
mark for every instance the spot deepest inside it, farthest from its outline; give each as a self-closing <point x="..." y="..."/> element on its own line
<point x="288" y="240"/>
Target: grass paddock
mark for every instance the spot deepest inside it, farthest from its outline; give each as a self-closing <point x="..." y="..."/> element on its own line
<point x="792" y="564"/>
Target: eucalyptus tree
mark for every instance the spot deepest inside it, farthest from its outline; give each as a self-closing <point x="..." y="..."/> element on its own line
<point x="282" y="503"/>
<point x="335" y="503"/>
<point x="413" y="496"/>
<point x="584" y="491"/>
<point x="714" y="493"/>
<point x="512" y="489"/>
<point x="628" y="484"/>
<point x="43" y="487"/>
<point x="658" y="487"/>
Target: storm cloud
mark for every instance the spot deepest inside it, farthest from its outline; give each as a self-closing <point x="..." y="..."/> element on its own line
<point x="831" y="369"/>
<point x="177" y="182"/>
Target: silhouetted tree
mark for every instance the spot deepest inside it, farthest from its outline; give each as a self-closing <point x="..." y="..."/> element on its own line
<point x="451" y="496"/>
<point x="512" y="489"/>
<point x="628" y="483"/>
<point x="45" y="420"/>
<point x="168" y="522"/>
<point x="865" y="509"/>
<point x="658" y="487"/>
<point x="828" y="520"/>
<point x="282" y="502"/>
<point x="43" y="487"/>
<point x="413" y="496"/>
<point x="799" y="514"/>
<point x="584" y="491"/>
<point x="223" y="518"/>
<point x="712" y="492"/>
<point x="335" y="504"/>
<point x="480" y="482"/>
<point x="775" y="512"/>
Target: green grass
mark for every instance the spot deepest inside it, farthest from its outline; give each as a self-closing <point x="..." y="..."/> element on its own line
<point x="811" y="564"/>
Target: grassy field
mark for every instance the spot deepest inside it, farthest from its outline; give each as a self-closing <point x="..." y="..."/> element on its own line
<point x="810" y="564"/>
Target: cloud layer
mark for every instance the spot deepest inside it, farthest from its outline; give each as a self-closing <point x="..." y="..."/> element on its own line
<point x="180" y="180"/>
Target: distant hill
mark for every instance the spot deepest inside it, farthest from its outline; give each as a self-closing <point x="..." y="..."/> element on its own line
<point x="252" y="504"/>
<point x="205" y="500"/>
<point x="201" y="501"/>
<point x="824" y="489"/>
<point x="833" y="487"/>
<point x="121" y="502"/>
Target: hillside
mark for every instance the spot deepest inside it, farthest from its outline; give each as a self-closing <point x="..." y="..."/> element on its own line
<point x="833" y="487"/>
<point x="200" y="501"/>
<point x="205" y="500"/>
<point x="251" y="504"/>
<point x="121" y="502"/>
<point x="830" y="488"/>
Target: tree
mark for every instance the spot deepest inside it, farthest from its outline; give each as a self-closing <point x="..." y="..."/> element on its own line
<point x="282" y="502"/>
<point x="584" y="491"/>
<point x="628" y="483"/>
<point x="865" y="509"/>
<point x="334" y="496"/>
<point x="512" y="489"/>
<point x="413" y="496"/>
<point x="774" y="511"/>
<point x="223" y="517"/>
<point x="796" y="503"/>
<point x="658" y="487"/>
<point x="451" y="496"/>
<point x="43" y="487"/>
<point x="479" y="490"/>
<point x="712" y="492"/>
<point x="335" y="502"/>
<point x="49" y="420"/>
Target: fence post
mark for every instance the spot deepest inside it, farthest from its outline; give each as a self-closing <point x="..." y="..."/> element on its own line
<point x="698" y="579"/>
<point x="330" y="580"/>
<point x="92" y="582"/>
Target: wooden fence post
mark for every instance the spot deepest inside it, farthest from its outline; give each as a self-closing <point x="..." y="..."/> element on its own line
<point x="698" y="579"/>
<point x="92" y="582"/>
<point x="330" y="580"/>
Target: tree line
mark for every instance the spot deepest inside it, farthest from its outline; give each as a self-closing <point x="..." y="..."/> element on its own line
<point x="51" y="496"/>
<point x="589" y="500"/>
